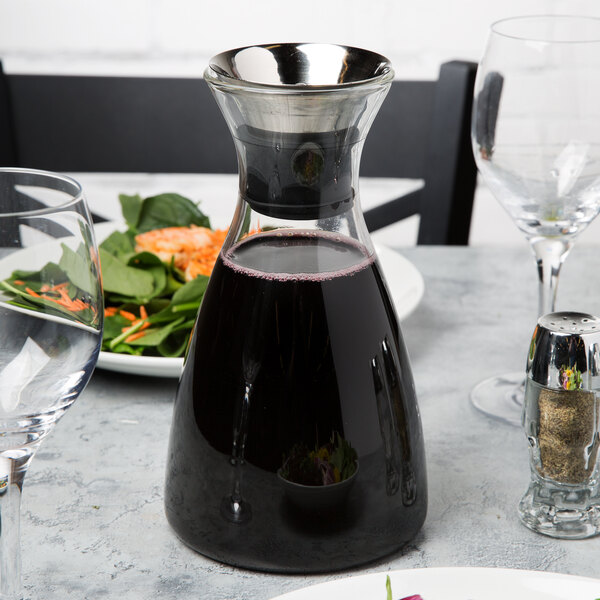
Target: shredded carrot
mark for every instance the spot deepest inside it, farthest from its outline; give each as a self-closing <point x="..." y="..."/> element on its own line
<point x="64" y="295"/>
<point x="127" y="315"/>
<point x="59" y="295"/>
<point x="110" y="311"/>
<point x="67" y="303"/>
<point x="203" y="259"/>
<point x="63" y="298"/>
<point x="18" y="282"/>
<point x="143" y="312"/>
<point x="135" y="336"/>
<point x="79" y="304"/>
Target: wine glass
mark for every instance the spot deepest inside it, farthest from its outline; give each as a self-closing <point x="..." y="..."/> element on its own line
<point x="51" y="316"/>
<point x="536" y="139"/>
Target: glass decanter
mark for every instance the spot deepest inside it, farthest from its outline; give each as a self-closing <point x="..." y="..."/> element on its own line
<point x="296" y="443"/>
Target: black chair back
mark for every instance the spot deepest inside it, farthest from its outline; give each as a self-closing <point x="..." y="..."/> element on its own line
<point x="423" y="132"/>
<point x="173" y="125"/>
<point x="118" y="124"/>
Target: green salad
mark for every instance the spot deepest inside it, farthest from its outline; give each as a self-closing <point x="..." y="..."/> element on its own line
<point x="150" y="304"/>
<point x="66" y="288"/>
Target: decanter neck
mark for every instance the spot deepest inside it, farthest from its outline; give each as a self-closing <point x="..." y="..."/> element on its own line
<point x="309" y="175"/>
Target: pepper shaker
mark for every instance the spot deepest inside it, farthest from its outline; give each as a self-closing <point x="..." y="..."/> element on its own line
<point x="560" y="417"/>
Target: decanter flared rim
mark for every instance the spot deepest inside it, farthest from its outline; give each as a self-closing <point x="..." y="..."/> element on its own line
<point x="298" y="68"/>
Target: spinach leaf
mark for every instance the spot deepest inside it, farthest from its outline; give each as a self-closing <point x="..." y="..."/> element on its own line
<point x="175" y="344"/>
<point x="159" y="275"/>
<point x="151" y="264"/>
<point x="119" y="244"/>
<point x="119" y="278"/>
<point x="142" y="260"/>
<point x="77" y="268"/>
<point x="192" y="291"/>
<point x="185" y="302"/>
<point x="131" y="207"/>
<point x="50" y="273"/>
<point x="157" y="304"/>
<point x="173" y="311"/>
<point x="169" y="210"/>
<point x="173" y="284"/>
<point x="127" y="349"/>
<point x="113" y="327"/>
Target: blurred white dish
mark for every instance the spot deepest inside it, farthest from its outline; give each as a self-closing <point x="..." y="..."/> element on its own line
<point x="152" y="366"/>
<point x="405" y="283"/>
<point x="461" y="583"/>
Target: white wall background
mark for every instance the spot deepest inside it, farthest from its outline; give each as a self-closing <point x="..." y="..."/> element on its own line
<point x="177" y="37"/>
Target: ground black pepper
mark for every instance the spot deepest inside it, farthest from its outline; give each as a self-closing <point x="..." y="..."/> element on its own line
<point x="567" y="438"/>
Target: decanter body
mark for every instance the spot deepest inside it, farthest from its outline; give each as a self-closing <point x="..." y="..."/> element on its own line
<point x="296" y="442"/>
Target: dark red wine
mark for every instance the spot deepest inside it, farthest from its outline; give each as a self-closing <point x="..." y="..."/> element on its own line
<point x="296" y="342"/>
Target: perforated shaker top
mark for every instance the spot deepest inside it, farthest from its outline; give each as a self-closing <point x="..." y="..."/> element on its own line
<point x="569" y="323"/>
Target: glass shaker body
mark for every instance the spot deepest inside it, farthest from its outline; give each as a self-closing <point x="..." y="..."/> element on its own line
<point x="296" y="443"/>
<point x="561" y="421"/>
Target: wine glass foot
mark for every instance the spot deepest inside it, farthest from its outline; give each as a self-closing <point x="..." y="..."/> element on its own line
<point x="501" y="397"/>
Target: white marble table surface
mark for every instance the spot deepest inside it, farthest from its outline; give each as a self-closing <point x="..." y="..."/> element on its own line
<point x="93" y="521"/>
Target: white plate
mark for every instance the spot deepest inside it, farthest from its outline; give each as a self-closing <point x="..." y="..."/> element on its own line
<point x="405" y="284"/>
<point x="462" y="583"/>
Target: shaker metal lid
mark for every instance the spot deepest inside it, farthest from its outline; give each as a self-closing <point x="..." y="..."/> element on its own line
<point x="565" y="341"/>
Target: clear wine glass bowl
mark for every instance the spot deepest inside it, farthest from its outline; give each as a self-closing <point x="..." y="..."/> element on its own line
<point x="536" y="140"/>
<point x="51" y="316"/>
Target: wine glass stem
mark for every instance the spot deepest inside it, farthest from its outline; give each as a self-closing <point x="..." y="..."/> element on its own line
<point x="550" y="254"/>
<point x="13" y="467"/>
